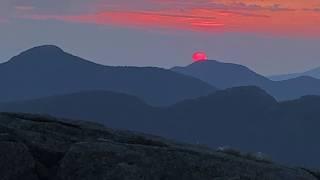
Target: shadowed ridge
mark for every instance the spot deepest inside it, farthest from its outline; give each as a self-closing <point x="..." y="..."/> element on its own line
<point x="243" y="94"/>
<point x="112" y="108"/>
<point x="248" y="92"/>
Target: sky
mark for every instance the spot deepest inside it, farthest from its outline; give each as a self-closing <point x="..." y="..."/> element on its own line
<point x="269" y="36"/>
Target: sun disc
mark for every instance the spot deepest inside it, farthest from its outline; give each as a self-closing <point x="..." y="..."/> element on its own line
<point x="199" y="56"/>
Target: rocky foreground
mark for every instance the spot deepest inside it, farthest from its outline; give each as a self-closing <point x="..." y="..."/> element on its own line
<point x="36" y="147"/>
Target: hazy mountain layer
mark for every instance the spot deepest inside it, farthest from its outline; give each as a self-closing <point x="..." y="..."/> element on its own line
<point x="246" y="118"/>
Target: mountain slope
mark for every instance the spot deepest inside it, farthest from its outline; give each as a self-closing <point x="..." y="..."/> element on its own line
<point x="283" y="77"/>
<point x="48" y="70"/>
<point x="315" y="73"/>
<point x="37" y="147"/>
<point x="246" y="118"/>
<point x="226" y="75"/>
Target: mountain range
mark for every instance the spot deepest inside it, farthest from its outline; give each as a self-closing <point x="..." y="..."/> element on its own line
<point x="200" y="103"/>
<point x="227" y="75"/>
<point x="48" y="70"/>
<point x="246" y="118"/>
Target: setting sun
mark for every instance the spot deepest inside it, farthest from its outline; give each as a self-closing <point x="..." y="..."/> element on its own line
<point x="199" y="56"/>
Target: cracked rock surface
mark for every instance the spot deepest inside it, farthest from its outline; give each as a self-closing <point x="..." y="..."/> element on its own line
<point x="34" y="147"/>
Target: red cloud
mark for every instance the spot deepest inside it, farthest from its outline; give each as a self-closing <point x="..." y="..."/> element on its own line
<point x="207" y="15"/>
<point x="143" y="19"/>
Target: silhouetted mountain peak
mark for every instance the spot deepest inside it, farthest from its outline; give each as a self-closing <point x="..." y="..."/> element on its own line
<point x="216" y="63"/>
<point x="46" y="47"/>
<point x="222" y="75"/>
<point x="46" y="56"/>
<point x="210" y="66"/>
<point x="45" y="50"/>
<point x="205" y="62"/>
<point x="39" y="54"/>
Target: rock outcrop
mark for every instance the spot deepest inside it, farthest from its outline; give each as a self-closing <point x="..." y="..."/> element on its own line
<point x="34" y="147"/>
